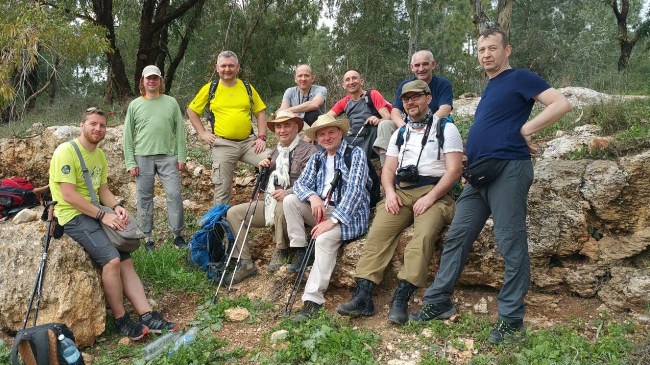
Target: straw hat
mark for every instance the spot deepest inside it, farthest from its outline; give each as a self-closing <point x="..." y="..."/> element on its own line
<point x="326" y="120"/>
<point x="285" y="116"/>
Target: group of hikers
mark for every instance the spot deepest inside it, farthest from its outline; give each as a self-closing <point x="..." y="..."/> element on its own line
<point x="321" y="183"/>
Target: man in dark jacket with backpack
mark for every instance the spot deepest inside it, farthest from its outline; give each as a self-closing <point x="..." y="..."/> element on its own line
<point x="417" y="177"/>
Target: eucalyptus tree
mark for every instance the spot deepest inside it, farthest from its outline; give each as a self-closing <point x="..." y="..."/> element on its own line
<point x="35" y="39"/>
<point x="632" y="27"/>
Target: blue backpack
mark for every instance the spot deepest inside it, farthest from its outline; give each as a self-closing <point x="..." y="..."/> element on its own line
<point x="209" y="246"/>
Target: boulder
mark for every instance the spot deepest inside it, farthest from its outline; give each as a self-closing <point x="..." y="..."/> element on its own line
<point x="72" y="291"/>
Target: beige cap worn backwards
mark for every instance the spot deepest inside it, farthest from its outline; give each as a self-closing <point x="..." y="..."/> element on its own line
<point x="326" y="120"/>
<point x="416" y="86"/>
<point x="151" y="70"/>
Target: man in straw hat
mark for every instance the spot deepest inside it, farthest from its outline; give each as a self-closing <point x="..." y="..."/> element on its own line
<point x="345" y="217"/>
<point x="422" y="200"/>
<point x="286" y="162"/>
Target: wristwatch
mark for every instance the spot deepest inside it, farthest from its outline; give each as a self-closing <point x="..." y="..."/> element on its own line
<point x="262" y="137"/>
<point x="334" y="220"/>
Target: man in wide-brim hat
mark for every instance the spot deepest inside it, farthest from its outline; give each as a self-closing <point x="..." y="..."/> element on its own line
<point x="344" y="218"/>
<point x="286" y="162"/>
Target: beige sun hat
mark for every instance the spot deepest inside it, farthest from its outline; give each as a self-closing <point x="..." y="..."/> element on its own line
<point x="285" y="116"/>
<point x="326" y="120"/>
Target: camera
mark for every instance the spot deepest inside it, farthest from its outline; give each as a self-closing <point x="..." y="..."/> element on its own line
<point x="408" y="174"/>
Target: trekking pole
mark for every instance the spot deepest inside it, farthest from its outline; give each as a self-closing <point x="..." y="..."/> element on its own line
<point x="260" y="178"/>
<point x="363" y="126"/>
<point x="38" y="286"/>
<point x="310" y="248"/>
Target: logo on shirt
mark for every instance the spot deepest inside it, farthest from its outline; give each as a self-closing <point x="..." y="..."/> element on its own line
<point x="65" y="169"/>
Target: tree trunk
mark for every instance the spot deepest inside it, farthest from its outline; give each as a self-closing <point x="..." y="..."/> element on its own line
<point x="479" y="18"/>
<point x="185" y="40"/>
<point x="119" y="82"/>
<point x="504" y="8"/>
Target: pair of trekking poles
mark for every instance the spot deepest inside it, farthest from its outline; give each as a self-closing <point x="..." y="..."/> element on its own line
<point x="261" y="181"/>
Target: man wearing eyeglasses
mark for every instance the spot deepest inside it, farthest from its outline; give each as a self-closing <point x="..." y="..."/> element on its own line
<point x="417" y="182"/>
<point x="232" y="138"/>
<point x="154" y="144"/>
<point x="422" y="66"/>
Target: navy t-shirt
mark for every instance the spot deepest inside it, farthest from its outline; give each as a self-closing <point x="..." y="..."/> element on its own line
<point x="441" y="94"/>
<point x="505" y="106"/>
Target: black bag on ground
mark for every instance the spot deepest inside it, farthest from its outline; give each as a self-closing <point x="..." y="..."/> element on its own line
<point x="40" y="345"/>
<point x="484" y="171"/>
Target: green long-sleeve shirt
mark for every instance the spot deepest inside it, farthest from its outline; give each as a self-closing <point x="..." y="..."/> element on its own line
<point x="154" y="127"/>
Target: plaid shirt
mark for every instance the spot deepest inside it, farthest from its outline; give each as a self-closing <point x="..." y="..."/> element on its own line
<point x="353" y="202"/>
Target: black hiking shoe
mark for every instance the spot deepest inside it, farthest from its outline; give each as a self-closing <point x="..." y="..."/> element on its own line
<point x="308" y="310"/>
<point x="278" y="259"/>
<point x="361" y="303"/>
<point x="400" y="304"/>
<point x="149" y="246"/>
<point x="156" y="323"/>
<point x="180" y="243"/>
<point x="298" y="258"/>
<point x="429" y="312"/>
<point x="130" y="328"/>
<point x="508" y="332"/>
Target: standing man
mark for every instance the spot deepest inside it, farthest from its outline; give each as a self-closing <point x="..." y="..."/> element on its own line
<point x="154" y="143"/>
<point x="232" y="138"/>
<point x="501" y="133"/>
<point x="357" y="107"/>
<point x="346" y="216"/>
<point x="422" y="200"/>
<point x="422" y="66"/>
<point x="82" y="221"/>
<point x="287" y="161"/>
<point x="306" y="99"/>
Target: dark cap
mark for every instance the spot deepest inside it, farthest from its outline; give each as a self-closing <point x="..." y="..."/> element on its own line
<point x="415" y="86"/>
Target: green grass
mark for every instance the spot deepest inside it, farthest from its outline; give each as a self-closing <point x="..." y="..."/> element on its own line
<point x="323" y="340"/>
<point x="5" y="353"/>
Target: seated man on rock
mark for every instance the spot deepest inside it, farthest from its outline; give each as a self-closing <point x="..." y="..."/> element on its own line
<point x="417" y="176"/>
<point x="305" y="99"/>
<point x="345" y="217"/>
<point x="82" y="222"/>
<point x="286" y="162"/>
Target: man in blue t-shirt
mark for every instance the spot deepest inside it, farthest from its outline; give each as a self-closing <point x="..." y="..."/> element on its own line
<point x="422" y="66"/>
<point x="501" y="133"/>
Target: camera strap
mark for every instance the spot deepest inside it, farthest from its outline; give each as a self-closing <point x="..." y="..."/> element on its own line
<point x="425" y="138"/>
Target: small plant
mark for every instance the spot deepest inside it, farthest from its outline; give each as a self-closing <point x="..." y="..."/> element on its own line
<point x="5" y="353"/>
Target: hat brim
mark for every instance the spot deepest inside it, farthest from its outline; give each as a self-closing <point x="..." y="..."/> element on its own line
<point x="342" y="124"/>
<point x="271" y="124"/>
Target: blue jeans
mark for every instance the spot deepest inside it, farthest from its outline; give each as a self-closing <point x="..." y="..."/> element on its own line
<point x="505" y="198"/>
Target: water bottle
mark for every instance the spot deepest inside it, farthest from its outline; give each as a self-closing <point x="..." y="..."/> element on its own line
<point x="155" y="348"/>
<point x="69" y="350"/>
<point x="185" y="339"/>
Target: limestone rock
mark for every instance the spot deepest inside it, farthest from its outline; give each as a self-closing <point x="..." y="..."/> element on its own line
<point x="628" y="289"/>
<point x="24" y="216"/>
<point x="72" y="291"/>
<point x="237" y="314"/>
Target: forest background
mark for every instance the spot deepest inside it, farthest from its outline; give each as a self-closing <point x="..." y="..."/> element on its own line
<point x="58" y="57"/>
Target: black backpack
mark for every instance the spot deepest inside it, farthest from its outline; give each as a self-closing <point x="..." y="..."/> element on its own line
<point x="371" y="104"/>
<point x="16" y="194"/>
<point x="40" y="345"/>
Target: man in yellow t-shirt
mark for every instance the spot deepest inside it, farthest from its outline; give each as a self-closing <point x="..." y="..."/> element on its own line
<point x="82" y="220"/>
<point x="232" y="139"/>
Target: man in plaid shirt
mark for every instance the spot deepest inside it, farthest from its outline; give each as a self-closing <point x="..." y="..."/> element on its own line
<point x="347" y="214"/>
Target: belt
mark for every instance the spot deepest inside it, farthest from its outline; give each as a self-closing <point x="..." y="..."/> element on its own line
<point x="422" y="181"/>
<point x="233" y="139"/>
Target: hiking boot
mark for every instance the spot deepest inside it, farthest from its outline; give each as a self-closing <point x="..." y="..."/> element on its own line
<point x="510" y="332"/>
<point x="130" y="328"/>
<point x="157" y="323"/>
<point x="278" y="259"/>
<point x="399" y="306"/>
<point x="245" y="269"/>
<point x="361" y="302"/>
<point x="298" y="258"/>
<point x="149" y="246"/>
<point x="430" y="312"/>
<point x="309" y="309"/>
<point x="180" y="243"/>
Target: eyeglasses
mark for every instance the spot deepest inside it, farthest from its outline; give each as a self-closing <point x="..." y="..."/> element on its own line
<point x="412" y="98"/>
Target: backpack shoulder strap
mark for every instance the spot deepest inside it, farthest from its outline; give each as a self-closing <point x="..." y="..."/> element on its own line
<point x="368" y="99"/>
<point x="209" y="114"/>
<point x="347" y="156"/>
<point x="400" y="137"/>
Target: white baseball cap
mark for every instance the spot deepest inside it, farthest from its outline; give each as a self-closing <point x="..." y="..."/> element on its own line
<point x="151" y="70"/>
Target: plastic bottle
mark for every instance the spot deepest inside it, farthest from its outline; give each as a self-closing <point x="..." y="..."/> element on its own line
<point x="155" y="348"/>
<point x="69" y="350"/>
<point x="183" y="340"/>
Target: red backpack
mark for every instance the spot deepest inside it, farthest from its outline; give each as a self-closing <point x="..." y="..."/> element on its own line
<point x="16" y="194"/>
